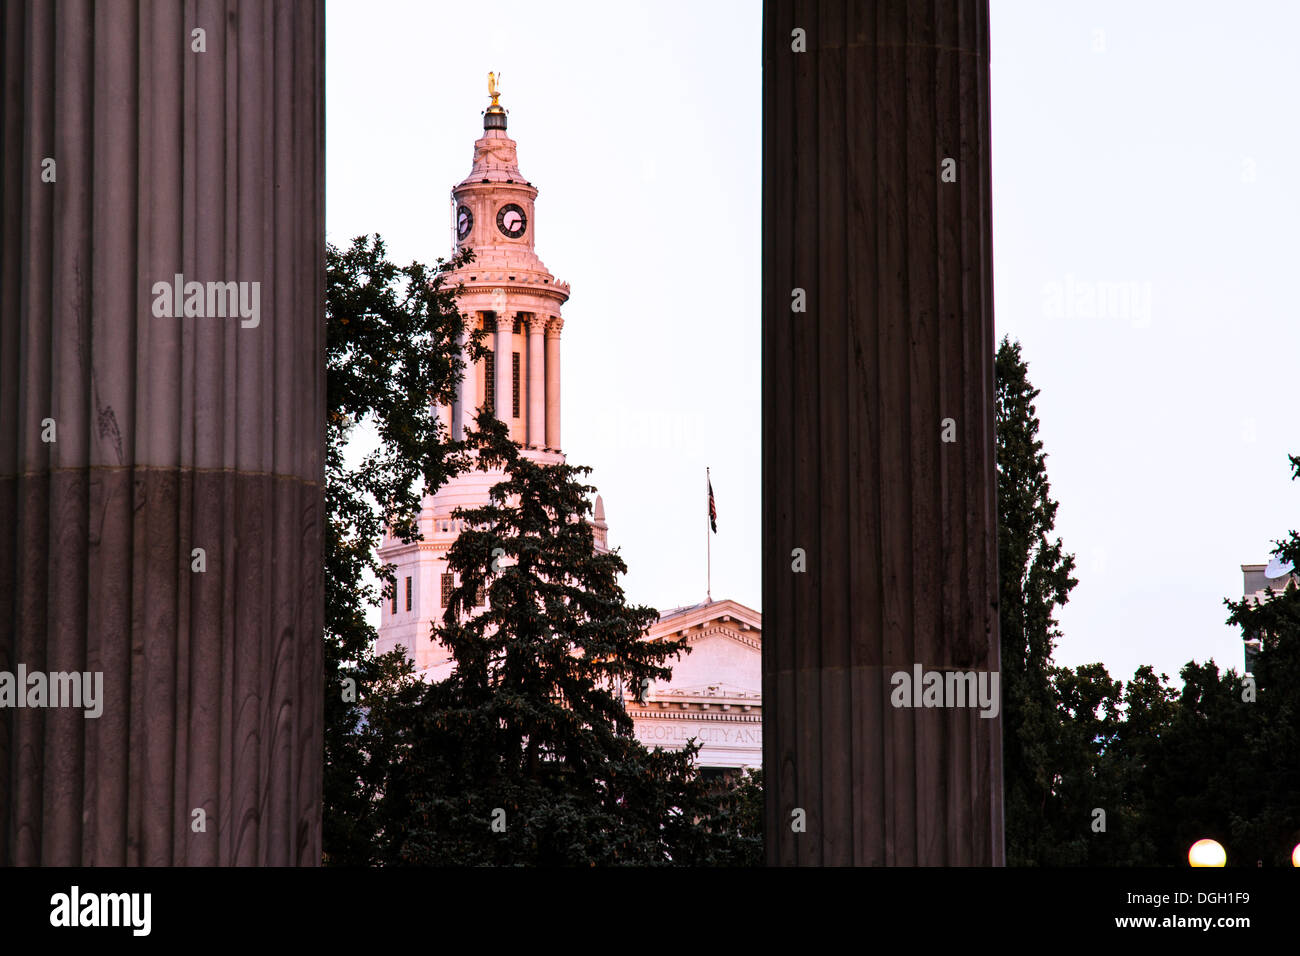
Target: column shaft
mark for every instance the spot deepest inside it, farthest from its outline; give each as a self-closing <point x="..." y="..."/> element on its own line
<point x="443" y="412"/>
<point x="896" y="528"/>
<point x="466" y="404"/>
<point x="504" y="368"/>
<point x="536" y="381"/>
<point x="553" y="328"/>
<point x="162" y="441"/>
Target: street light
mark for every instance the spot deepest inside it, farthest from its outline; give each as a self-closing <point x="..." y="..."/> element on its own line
<point x="1208" y="853"/>
<point x="1295" y="855"/>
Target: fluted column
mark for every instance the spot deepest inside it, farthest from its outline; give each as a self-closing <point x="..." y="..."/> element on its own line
<point x="553" y="328"/>
<point x="536" y="380"/>
<point x="879" y="528"/>
<point x="162" y="413"/>
<point x="504" y="362"/>
<point x="465" y="405"/>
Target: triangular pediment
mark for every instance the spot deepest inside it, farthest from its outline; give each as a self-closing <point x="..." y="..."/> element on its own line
<point x="698" y="621"/>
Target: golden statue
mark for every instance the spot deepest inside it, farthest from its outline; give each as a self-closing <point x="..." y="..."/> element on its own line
<point x="492" y="89"/>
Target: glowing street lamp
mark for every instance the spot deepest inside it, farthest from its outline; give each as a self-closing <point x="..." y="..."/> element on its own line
<point x="1208" y="853"/>
<point x="1295" y="855"/>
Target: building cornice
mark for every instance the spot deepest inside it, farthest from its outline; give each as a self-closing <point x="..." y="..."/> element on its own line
<point x="754" y="716"/>
<point x="558" y="292"/>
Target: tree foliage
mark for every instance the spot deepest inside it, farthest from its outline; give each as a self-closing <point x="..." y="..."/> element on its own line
<point x="1034" y="580"/>
<point x="391" y="349"/>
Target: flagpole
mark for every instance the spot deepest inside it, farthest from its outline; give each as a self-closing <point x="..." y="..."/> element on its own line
<point x="708" y="540"/>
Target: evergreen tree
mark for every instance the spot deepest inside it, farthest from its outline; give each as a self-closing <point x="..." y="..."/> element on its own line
<point x="1034" y="580"/>
<point x="1075" y="741"/>
<point x="525" y="754"/>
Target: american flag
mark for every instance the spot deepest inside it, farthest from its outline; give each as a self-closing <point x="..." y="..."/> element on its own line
<point x="713" y="508"/>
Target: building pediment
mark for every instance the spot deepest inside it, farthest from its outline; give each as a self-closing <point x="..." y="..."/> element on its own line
<point x="722" y="669"/>
<point x="695" y="621"/>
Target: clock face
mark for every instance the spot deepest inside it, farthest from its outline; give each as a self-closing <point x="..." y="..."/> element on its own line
<point x="464" y="222"/>
<point x="511" y="220"/>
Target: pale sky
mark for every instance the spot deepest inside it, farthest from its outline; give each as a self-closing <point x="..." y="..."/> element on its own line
<point x="1160" y="152"/>
<point x="1140" y="153"/>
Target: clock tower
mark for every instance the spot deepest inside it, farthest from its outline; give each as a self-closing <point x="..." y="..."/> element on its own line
<point x="511" y="294"/>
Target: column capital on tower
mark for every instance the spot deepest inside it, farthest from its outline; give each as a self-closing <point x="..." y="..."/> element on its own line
<point x="553" y="326"/>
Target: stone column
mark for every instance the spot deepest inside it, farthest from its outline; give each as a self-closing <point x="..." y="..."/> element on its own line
<point x="553" y="327"/>
<point x="466" y="404"/>
<point x="162" y="412"/>
<point x="504" y="363"/>
<point x="443" y="412"/>
<point x="879" y="536"/>
<point x="536" y="380"/>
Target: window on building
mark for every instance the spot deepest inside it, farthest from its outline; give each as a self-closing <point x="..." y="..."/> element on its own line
<point x="448" y="585"/>
<point x="394" y="597"/>
<point x="479" y="596"/>
<point x="490" y="381"/>
<point x="516" y="380"/>
<point x="519" y="325"/>
<point x="408" y="594"/>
